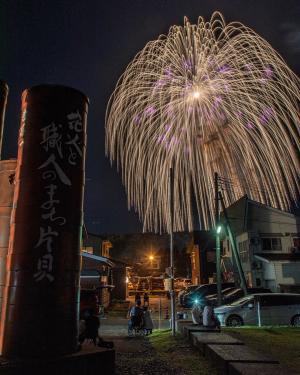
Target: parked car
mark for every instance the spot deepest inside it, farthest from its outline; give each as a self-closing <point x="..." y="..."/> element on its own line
<point x="230" y="295"/>
<point x="203" y="290"/>
<point x="213" y="298"/>
<point x="269" y="308"/>
<point x="89" y="301"/>
<point x="184" y="291"/>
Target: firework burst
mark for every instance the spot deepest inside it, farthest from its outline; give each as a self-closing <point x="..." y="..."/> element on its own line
<point x="205" y="98"/>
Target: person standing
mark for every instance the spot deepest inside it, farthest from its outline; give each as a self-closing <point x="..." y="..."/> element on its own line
<point x="197" y="311"/>
<point x="209" y="318"/>
<point x="136" y="316"/>
<point x="91" y="327"/>
<point x="146" y="299"/>
<point x="148" y="322"/>
<point x="137" y="297"/>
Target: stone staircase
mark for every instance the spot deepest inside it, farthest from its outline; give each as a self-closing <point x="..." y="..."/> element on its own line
<point x="229" y="355"/>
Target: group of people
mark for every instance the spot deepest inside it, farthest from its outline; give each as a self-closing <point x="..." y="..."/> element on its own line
<point x="140" y="316"/>
<point x="139" y="298"/>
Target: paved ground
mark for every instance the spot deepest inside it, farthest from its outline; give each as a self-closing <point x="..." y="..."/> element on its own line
<point x="117" y="327"/>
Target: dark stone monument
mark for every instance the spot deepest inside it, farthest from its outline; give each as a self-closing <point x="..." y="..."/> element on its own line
<point x="7" y="175"/>
<point x="41" y="296"/>
<point x="3" y="101"/>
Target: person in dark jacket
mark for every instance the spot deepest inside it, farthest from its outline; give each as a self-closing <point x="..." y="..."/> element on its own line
<point x="135" y="315"/>
<point x="148" y="322"/>
<point x="91" y="327"/>
<point x="146" y="299"/>
<point x="137" y="297"/>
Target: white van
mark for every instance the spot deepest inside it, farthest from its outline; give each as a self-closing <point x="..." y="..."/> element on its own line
<point x="266" y="309"/>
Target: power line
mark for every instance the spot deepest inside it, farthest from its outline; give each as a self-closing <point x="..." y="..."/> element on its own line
<point x="225" y="182"/>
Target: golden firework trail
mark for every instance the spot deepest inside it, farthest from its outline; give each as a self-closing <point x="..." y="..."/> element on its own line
<point x="207" y="97"/>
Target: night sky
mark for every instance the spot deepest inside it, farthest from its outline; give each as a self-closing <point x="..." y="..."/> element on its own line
<point x="88" y="44"/>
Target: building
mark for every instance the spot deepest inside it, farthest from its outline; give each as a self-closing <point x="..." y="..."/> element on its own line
<point x="107" y="274"/>
<point x="203" y="257"/>
<point x="97" y="267"/>
<point x="149" y="253"/>
<point x="96" y="273"/>
<point x="268" y="241"/>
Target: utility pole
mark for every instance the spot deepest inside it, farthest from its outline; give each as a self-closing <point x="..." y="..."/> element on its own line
<point x="172" y="292"/>
<point x="235" y="252"/>
<point x="218" y="242"/>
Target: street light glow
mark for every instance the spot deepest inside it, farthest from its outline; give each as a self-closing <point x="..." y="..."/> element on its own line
<point x="219" y="228"/>
<point x="151" y="257"/>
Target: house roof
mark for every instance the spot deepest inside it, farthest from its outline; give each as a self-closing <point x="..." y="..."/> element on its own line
<point x="121" y="263"/>
<point x="247" y="215"/>
<point x="96" y="260"/>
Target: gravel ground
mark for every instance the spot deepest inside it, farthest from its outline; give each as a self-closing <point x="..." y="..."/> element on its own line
<point x="137" y="356"/>
<point x="144" y="361"/>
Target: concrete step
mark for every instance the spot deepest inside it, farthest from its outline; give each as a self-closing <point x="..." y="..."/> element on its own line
<point x="258" y="368"/>
<point x="189" y="328"/>
<point x="223" y="355"/>
<point x="181" y="323"/>
<point x="201" y="339"/>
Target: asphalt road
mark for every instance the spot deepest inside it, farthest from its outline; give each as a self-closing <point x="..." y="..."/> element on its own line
<point x="115" y="326"/>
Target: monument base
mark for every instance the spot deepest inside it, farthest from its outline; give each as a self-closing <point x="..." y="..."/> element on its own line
<point x="89" y="361"/>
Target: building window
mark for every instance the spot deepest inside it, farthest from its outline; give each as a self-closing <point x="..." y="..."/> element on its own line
<point x="271" y="244"/>
<point x="155" y="264"/>
<point x="296" y="243"/>
<point x="106" y="246"/>
<point x="152" y="262"/>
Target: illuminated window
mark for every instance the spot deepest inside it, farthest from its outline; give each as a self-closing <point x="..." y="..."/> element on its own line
<point x="106" y="246"/>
